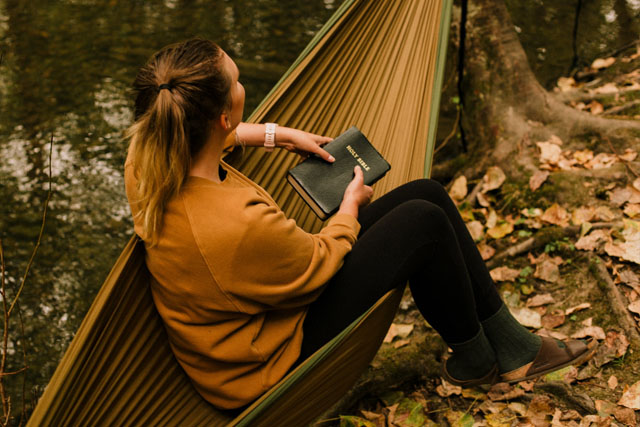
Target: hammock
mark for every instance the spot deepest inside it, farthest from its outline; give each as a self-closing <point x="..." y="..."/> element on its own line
<point x="376" y="64"/>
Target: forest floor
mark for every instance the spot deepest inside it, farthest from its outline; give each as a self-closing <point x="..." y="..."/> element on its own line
<point x="563" y="246"/>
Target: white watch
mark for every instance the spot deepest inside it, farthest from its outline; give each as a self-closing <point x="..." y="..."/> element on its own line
<point x="270" y="136"/>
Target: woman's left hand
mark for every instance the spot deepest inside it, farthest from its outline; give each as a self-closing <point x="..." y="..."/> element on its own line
<point x="303" y="143"/>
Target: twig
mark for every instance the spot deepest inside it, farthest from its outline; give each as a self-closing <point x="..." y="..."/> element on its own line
<point x="620" y="108"/>
<point x="621" y="159"/>
<point x="620" y="312"/>
<point x="6" y="374"/>
<point x="541" y="240"/>
<point x="35" y="249"/>
<point x="474" y="193"/>
<point x="454" y="130"/>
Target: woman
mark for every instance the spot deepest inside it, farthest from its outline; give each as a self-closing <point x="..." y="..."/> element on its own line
<point x="245" y="294"/>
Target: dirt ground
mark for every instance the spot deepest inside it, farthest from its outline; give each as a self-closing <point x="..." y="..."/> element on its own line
<point x="563" y="245"/>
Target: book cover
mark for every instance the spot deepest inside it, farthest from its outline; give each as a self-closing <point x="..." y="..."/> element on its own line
<point x="322" y="184"/>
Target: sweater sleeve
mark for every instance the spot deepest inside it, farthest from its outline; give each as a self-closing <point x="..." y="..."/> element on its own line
<point x="265" y="261"/>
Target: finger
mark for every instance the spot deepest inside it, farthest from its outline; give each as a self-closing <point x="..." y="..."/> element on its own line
<point x="323" y="154"/>
<point x="359" y="176"/>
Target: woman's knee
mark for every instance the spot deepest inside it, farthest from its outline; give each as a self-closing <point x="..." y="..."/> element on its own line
<point x="423" y="214"/>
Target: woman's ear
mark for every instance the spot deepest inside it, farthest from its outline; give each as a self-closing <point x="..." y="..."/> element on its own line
<point x="225" y="123"/>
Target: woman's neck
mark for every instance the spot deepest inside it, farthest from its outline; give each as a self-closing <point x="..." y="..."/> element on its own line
<point x="206" y="163"/>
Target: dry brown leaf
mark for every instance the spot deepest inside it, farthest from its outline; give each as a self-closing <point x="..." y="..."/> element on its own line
<point x="612" y="382"/>
<point x="582" y="156"/>
<point x="603" y="213"/>
<point x="549" y="153"/>
<point x="553" y="319"/>
<point x="620" y="196"/>
<point x="493" y="179"/>
<point x="486" y="251"/>
<point x="603" y="63"/>
<point x="626" y="416"/>
<point x="476" y="229"/>
<point x="537" y="179"/>
<point x="482" y="200"/>
<point x="527" y="317"/>
<point x="556" y="215"/>
<point x="398" y="330"/>
<point x="592" y="241"/>
<point x="582" y="215"/>
<point x="618" y="342"/>
<point x="447" y="389"/>
<point x="631" y="397"/>
<point x="590" y="331"/>
<point x="504" y="391"/>
<point x="629" y="155"/>
<point x="632" y="210"/>
<point x="547" y="271"/>
<point x="504" y="274"/>
<point x="594" y="108"/>
<point x="459" y="188"/>
<point x="634" y="307"/>
<point x="500" y="230"/>
<point x="566" y="83"/>
<point x="378" y="420"/>
<point x="628" y="250"/>
<point x="401" y="343"/>
<point x="579" y="307"/>
<point x="492" y="219"/>
<point x="630" y="279"/>
<point x="601" y="160"/>
<point x="636" y="184"/>
<point x="541" y="299"/>
<point x="607" y="88"/>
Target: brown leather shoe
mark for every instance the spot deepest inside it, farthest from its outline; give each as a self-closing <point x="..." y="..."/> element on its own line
<point x="553" y="355"/>
<point x="491" y="378"/>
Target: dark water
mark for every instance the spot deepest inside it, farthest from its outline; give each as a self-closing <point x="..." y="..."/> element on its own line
<point x="66" y="70"/>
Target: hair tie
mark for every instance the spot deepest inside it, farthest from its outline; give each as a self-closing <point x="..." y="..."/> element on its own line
<point x="165" y="86"/>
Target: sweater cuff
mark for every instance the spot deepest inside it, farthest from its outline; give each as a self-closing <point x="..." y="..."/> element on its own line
<point x="346" y="220"/>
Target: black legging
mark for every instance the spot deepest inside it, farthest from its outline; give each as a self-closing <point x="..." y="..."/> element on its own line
<point x="414" y="233"/>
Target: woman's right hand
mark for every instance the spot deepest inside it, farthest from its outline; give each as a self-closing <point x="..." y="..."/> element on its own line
<point x="356" y="195"/>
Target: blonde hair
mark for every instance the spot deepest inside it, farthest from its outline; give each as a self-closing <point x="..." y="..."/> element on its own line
<point x="179" y="92"/>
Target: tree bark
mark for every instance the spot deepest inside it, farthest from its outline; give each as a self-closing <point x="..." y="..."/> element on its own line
<point x="503" y="101"/>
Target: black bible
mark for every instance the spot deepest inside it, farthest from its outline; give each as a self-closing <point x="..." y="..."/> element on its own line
<point x="321" y="184"/>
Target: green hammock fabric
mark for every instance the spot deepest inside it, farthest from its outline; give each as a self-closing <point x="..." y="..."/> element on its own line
<point x="377" y="64"/>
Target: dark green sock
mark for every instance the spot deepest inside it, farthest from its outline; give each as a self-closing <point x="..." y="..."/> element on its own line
<point x="514" y="345"/>
<point x="471" y="359"/>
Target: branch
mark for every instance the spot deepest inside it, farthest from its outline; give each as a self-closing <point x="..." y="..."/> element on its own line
<point x="35" y="250"/>
<point x="620" y="312"/>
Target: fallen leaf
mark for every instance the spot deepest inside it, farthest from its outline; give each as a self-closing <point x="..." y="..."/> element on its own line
<point x="587" y="322"/>
<point x="582" y="215"/>
<point x="498" y="420"/>
<point x="630" y="279"/>
<point x="634" y="307"/>
<point x="556" y="215"/>
<point x="547" y="271"/>
<point x="398" y="330"/>
<point x="592" y="241"/>
<point x="636" y="184"/>
<point x="628" y="250"/>
<point x="568" y="375"/>
<point x="594" y="108"/>
<point x="631" y="397"/>
<point x="549" y="153"/>
<point x="378" y="420"/>
<point x="401" y="343"/>
<point x="504" y="274"/>
<point x="458" y="418"/>
<point x="552" y="334"/>
<point x="583" y="306"/>
<point x="504" y="391"/>
<point x="632" y="210"/>
<point x="527" y="317"/>
<point x="409" y="413"/>
<point x="459" y="188"/>
<point x="492" y="219"/>
<point x="618" y="342"/>
<point x="590" y="331"/>
<point x="488" y="406"/>
<point x="538" y="300"/>
<point x="447" y="389"/>
<point x="601" y="160"/>
<point x="476" y="229"/>
<point x="613" y="382"/>
<point x="603" y="213"/>
<point x="607" y="88"/>
<point x="620" y="196"/>
<point x="603" y="62"/>
<point x="500" y="230"/>
<point x="582" y="156"/>
<point x="571" y="414"/>
<point x="629" y="155"/>
<point x="553" y="320"/>
<point x="626" y="416"/>
<point x="537" y="179"/>
<point x="493" y="179"/>
<point x="353" y="421"/>
<point x="486" y="251"/>
<point x="566" y="83"/>
<point x="482" y="200"/>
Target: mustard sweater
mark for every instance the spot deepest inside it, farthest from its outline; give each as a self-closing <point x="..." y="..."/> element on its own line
<point x="232" y="278"/>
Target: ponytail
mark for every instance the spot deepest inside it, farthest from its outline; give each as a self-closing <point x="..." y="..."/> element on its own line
<point x="180" y="91"/>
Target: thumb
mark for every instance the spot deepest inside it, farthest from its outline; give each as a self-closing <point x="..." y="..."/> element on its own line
<point x="359" y="176"/>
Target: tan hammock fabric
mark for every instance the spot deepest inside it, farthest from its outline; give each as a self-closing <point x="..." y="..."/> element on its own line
<point x="377" y="64"/>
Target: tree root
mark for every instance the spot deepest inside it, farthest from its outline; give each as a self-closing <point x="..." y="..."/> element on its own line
<point x="542" y="239"/>
<point x="616" y="301"/>
<point x="579" y="96"/>
<point x="578" y="401"/>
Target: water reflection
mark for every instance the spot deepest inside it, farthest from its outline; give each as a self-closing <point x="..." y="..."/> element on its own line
<point x="66" y="73"/>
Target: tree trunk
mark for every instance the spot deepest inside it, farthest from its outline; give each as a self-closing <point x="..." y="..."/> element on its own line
<point x="503" y="102"/>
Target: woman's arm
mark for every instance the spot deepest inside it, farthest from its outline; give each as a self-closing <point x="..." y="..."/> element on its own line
<point x="295" y="140"/>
